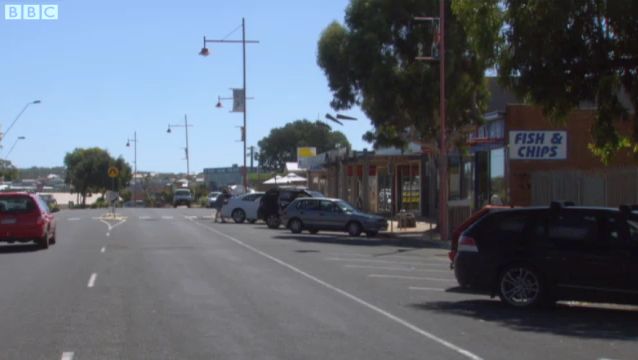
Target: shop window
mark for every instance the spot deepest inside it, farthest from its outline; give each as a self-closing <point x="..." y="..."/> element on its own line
<point x="497" y="176"/>
<point x="409" y="188"/>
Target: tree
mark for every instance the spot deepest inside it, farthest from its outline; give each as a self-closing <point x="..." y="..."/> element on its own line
<point x="371" y="62"/>
<point x="87" y="171"/>
<point x="280" y="146"/>
<point x="558" y="54"/>
<point x="8" y="172"/>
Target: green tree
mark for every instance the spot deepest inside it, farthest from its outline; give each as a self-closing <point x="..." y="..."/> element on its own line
<point x="558" y="54"/>
<point x="87" y="171"/>
<point x="8" y="172"/>
<point x="370" y="61"/>
<point x="280" y="146"/>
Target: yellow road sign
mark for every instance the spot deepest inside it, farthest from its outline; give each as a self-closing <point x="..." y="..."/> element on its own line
<point x="113" y="172"/>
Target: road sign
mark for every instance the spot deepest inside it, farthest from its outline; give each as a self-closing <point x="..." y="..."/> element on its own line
<point x="113" y="172"/>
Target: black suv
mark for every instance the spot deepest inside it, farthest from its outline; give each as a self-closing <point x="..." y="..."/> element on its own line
<point x="276" y="200"/>
<point x="533" y="256"/>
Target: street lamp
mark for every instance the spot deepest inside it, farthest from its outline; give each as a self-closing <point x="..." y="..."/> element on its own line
<point x="185" y="126"/>
<point x="128" y="144"/>
<point x="14" y="145"/>
<point x="340" y="117"/>
<point x="34" y="102"/>
<point x="205" y="52"/>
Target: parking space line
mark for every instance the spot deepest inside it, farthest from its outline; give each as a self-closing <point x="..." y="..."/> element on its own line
<point x="390" y="268"/>
<point x="386" y="276"/>
<point x="377" y="261"/>
<point x="348" y="295"/>
<point x="103" y="249"/>
<point x="419" y="288"/>
<point x="67" y="355"/>
<point x="92" y="280"/>
<point x="167" y="217"/>
<point x="73" y="219"/>
<point x="389" y="256"/>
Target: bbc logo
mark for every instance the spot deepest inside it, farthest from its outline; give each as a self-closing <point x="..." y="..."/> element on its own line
<point x="30" y="12"/>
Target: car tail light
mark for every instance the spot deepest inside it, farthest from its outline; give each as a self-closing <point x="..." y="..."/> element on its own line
<point x="467" y="244"/>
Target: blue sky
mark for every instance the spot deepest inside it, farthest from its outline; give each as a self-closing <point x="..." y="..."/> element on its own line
<point x="105" y="69"/>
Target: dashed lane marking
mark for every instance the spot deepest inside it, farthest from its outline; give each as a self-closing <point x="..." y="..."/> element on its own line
<point x="166" y="217"/>
<point x="68" y="355"/>
<point x="420" y="288"/>
<point x="92" y="280"/>
<point x="103" y="249"/>
<point x="386" y="276"/>
<point x="350" y="296"/>
<point x="390" y="268"/>
<point x="377" y="261"/>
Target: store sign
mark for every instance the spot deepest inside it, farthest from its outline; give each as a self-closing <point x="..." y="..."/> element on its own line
<point x="305" y="152"/>
<point x="538" y="145"/>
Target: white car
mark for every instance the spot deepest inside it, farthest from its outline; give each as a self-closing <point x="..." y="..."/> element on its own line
<point x="243" y="207"/>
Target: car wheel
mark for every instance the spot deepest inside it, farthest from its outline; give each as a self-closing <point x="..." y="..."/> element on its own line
<point x="354" y="229"/>
<point x="313" y="231"/>
<point x="295" y="226"/>
<point x="52" y="241"/>
<point x="239" y="216"/>
<point x="371" y="233"/>
<point x="44" y="242"/>
<point x="273" y="221"/>
<point x="521" y="286"/>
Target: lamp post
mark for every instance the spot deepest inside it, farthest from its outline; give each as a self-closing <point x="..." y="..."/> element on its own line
<point x="2" y="135"/>
<point x="128" y="144"/>
<point x="14" y="145"/>
<point x="243" y="41"/>
<point x="185" y="126"/>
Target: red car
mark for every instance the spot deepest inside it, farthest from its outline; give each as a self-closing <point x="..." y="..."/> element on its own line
<point x="26" y="217"/>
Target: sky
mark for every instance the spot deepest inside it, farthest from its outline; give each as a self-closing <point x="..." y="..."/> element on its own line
<point x="105" y="70"/>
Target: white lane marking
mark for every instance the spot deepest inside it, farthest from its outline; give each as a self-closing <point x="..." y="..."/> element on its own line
<point x="68" y="355"/>
<point x="112" y="226"/>
<point x="108" y="234"/>
<point x="73" y="219"/>
<point x="190" y="217"/>
<point x="390" y="256"/>
<point x="419" y="288"/>
<point x="354" y="298"/>
<point x="92" y="280"/>
<point x="376" y="261"/>
<point x="386" y="276"/>
<point x="390" y="268"/>
<point x="103" y="249"/>
<point x="166" y="217"/>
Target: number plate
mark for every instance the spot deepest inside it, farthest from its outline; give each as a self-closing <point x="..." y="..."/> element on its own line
<point x="7" y="221"/>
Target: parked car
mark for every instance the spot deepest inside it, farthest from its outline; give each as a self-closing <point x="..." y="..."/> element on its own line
<point x="314" y="214"/>
<point x="534" y="256"/>
<point x="212" y="197"/>
<point x="25" y="217"/>
<point x="243" y="207"/>
<point x="182" y="197"/>
<point x="49" y="200"/>
<point x="275" y="200"/>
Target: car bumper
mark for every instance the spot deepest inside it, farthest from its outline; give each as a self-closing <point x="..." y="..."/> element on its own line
<point x="472" y="272"/>
<point x="376" y="226"/>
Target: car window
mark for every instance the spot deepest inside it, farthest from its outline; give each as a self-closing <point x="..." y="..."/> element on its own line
<point x="633" y="232"/>
<point x="327" y="205"/>
<point x="43" y="205"/>
<point x="573" y="231"/>
<point x="16" y="204"/>
<point x="251" y="197"/>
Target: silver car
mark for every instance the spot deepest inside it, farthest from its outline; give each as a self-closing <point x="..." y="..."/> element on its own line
<point x="314" y="214"/>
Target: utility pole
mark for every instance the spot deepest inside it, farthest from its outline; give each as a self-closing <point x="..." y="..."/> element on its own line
<point x="185" y="126"/>
<point x="443" y="171"/>
<point x="252" y="157"/>
<point x="128" y="143"/>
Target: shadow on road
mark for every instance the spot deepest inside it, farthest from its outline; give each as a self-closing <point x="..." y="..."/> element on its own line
<point x="12" y="249"/>
<point x="352" y="241"/>
<point x="565" y="320"/>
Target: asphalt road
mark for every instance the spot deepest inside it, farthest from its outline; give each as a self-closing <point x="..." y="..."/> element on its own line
<point x="170" y="284"/>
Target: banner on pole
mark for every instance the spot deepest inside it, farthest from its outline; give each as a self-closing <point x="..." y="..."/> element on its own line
<point x="238" y="100"/>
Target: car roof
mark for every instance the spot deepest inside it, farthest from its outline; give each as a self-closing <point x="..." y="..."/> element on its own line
<point x="16" y="193"/>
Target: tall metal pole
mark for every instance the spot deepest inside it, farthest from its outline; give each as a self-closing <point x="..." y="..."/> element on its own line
<point x="443" y="176"/>
<point x="188" y="167"/>
<point x="134" y="166"/>
<point x="244" y="134"/>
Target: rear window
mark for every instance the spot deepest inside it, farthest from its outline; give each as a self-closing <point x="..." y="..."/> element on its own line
<point x="16" y="204"/>
<point x="182" y="192"/>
